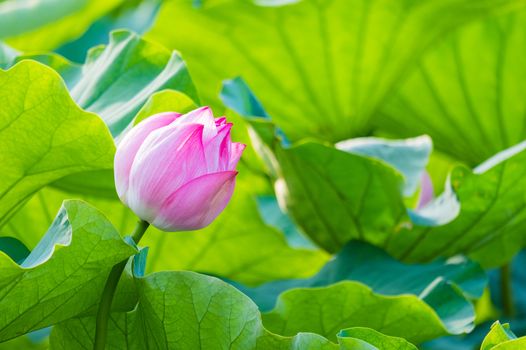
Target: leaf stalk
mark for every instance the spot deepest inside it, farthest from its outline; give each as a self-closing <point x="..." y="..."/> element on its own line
<point x="103" y="313"/>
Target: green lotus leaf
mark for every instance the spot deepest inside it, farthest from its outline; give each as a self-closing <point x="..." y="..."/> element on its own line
<point x="45" y="135"/>
<point x="185" y="310"/>
<point x="500" y="337"/>
<point x="320" y="68"/>
<point x="37" y="25"/>
<point x="118" y="79"/>
<point x="363" y="286"/>
<point x="488" y="228"/>
<point x="335" y="197"/>
<point x="466" y="92"/>
<point x="224" y="248"/>
<point x="64" y="274"/>
<point x="123" y="81"/>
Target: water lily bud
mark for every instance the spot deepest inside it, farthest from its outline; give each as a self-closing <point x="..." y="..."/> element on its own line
<point x="177" y="172"/>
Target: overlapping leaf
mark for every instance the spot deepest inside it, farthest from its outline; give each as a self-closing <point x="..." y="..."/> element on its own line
<point x="492" y="214"/>
<point x="14" y="248"/>
<point x="30" y="223"/>
<point x="369" y="206"/>
<point x="362" y="286"/>
<point x="185" y="310"/>
<point x="335" y="196"/>
<point x="117" y="80"/>
<point x="225" y="248"/>
<point x="64" y="275"/>
<point x="409" y="156"/>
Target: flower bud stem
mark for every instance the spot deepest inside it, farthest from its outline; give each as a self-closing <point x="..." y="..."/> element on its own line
<point x="506" y="290"/>
<point x="103" y="314"/>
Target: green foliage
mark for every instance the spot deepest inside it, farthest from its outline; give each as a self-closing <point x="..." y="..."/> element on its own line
<point x="165" y="101"/>
<point x="46" y="24"/>
<point x="223" y="249"/>
<point x="185" y="310"/>
<point x="30" y="223"/>
<point x="36" y="149"/>
<point x="409" y="156"/>
<point x="416" y="303"/>
<point x="364" y="194"/>
<point x="500" y="337"/>
<point x="226" y="247"/>
<point x="13" y="248"/>
<point x="325" y="244"/>
<point x="320" y="68"/>
<point x="7" y="56"/>
<point x="313" y="177"/>
<point x="488" y="227"/>
<point x="466" y="92"/>
<point x="365" y="338"/>
<point x="117" y="79"/>
<point x="65" y="273"/>
<point x="116" y="82"/>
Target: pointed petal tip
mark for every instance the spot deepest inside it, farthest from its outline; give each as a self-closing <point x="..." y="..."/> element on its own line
<point x="203" y="109"/>
<point x="236" y="153"/>
<point x="220" y="121"/>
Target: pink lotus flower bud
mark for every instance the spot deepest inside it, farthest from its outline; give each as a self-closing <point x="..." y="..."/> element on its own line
<point x="177" y="172"/>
